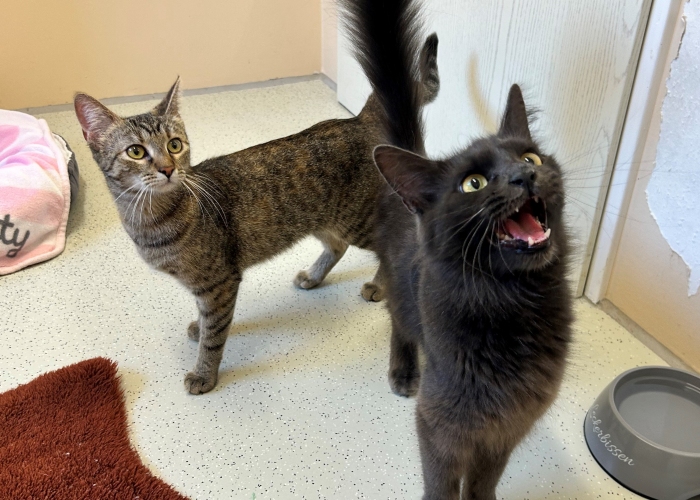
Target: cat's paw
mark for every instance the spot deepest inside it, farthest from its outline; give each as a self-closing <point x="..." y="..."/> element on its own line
<point x="304" y="281"/>
<point x="372" y="292"/>
<point x="404" y="383"/>
<point x="198" y="384"/>
<point x="193" y="331"/>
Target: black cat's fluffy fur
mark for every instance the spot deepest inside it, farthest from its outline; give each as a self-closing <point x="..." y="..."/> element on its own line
<point x="491" y="310"/>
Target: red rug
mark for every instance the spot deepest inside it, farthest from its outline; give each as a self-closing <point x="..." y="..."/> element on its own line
<point x="64" y="436"/>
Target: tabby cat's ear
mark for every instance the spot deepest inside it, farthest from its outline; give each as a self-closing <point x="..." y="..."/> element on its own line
<point x="514" y="122"/>
<point x="414" y="178"/>
<point x="93" y="116"/>
<point x="170" y="105"/>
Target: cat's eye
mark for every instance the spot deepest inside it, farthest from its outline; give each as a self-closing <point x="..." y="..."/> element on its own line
<point x="532" y="159"/>
<point x="175" y="145"/>
<point x="474" y="182"/>
<point x="136" y="152"/>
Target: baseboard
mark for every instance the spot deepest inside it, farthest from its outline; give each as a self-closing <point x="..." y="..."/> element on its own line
<point x="110" y="101"/>
<point x="643" y="336"/>
<point x="328" y="81"/>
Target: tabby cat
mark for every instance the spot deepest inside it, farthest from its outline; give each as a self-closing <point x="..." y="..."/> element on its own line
<point x="474" y="271"/>
<point x="205" y="224"/>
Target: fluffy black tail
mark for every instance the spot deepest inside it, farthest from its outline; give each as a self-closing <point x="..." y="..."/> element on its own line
<point x="386" y="35"/>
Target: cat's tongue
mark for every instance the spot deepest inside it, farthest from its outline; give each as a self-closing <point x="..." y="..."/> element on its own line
<point x="523" y="226"/>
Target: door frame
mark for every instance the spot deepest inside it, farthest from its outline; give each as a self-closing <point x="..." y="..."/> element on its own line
<point x="662" y="39"/>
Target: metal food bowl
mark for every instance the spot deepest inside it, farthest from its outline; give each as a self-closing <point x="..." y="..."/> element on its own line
<point x="644" y="430"/>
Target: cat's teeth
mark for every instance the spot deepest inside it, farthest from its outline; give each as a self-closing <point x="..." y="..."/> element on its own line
<point x="547" y="233"/>
<point x="530" y="241"/>
<point x="536" y="199"/>
<point x="517" y="210"/>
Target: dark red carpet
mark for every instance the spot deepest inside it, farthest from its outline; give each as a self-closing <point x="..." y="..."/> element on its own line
<point x="64" y="436"/>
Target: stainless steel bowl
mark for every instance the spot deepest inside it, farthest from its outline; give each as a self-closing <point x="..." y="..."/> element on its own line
<point x="644" y="430"/>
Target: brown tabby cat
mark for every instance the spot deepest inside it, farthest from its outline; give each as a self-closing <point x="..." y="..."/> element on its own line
<point x="474" y="271"/>
<point x="205" y="224"/>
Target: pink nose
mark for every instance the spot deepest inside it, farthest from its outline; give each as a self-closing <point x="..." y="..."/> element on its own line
<point x="168" y="171"/>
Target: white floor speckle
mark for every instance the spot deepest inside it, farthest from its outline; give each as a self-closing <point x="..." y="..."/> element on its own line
<point x="303" y="408"/>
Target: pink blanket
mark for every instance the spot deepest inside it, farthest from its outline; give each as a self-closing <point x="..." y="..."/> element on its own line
<point x="34" y="192"/>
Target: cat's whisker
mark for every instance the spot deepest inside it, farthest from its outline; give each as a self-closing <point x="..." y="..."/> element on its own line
<point x="133" y="197"/>
<point x="208" y="182"/>
<point x="478" y="249"/>
<point x="124" y="192"/>
<point x="143" y="205"/>
<point x="465" y="250"/>
<point x="132" y="205"/>
<point x="491" y="243"/>
<point x="211" y="199"/>
<point x="199" y="204"/>
<point x="138" y="206"/>
<point x="461" y="225"/>
<point x="150" y="205"/>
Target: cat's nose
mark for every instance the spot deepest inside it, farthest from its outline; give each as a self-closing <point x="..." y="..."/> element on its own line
<point x="167" y="171"/>
<point x="524" y="178"/>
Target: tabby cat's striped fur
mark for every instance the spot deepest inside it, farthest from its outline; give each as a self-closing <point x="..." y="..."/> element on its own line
<point x="205" y="224"/>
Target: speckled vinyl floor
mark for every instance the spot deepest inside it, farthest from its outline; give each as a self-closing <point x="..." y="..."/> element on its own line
<point x="303" y="408"/>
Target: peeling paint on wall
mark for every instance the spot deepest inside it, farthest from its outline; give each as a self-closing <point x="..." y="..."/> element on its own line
<point x="673" y="192"/>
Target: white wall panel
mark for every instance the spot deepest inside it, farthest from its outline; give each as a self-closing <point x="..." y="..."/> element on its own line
<point x="575" y="61"/>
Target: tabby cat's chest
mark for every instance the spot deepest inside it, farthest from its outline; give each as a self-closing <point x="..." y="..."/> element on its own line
<point x="163" y="247"/>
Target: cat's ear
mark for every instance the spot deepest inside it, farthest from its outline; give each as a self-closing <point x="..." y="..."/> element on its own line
<point x="414" y="178"/>
<point x="429" y="74"/>
<point x="170" y="105"/>
<point x="93" y="116"/>
<point x="514" y="122"/>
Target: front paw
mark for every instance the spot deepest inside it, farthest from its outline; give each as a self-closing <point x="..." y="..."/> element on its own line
<point x="193" y="331"/>
<point x="304" y="281"/>
<point x="404" y="382"/>
<point x="198" y="384"/>
<point x="372" y="292"/>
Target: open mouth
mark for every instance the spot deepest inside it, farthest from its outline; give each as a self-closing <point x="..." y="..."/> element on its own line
<point x="524" y="229"/>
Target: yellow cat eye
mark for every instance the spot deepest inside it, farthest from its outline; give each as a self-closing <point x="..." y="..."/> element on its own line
<point x="474" y="182"/>
<point x="136" y="152"/>
<point x="175" y="146"/>
<point x="531" y="158"/>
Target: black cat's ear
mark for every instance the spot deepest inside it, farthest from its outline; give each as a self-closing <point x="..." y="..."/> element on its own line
<point x="170" y="105"/>
<point x="514" y="122"/>
<point x="429" y="74"/>
<point x="414" y="178"/>
<point x="93" y="116"/>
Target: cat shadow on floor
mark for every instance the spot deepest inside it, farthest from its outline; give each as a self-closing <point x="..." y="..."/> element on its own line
<point x="304" y="338"/>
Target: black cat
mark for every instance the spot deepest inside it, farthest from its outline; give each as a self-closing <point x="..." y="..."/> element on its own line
<point x="475" y="269"/>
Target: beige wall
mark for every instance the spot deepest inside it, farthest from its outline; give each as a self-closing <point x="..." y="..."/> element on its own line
<point x="649" y="282"/>
<point x="49" y="50"/>
<point x="329" y="39"/>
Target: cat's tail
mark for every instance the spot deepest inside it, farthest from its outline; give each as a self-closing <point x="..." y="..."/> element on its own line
<point x="386" y="35"/>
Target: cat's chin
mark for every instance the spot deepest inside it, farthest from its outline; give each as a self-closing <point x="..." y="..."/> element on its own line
<point x="535" y="258"/>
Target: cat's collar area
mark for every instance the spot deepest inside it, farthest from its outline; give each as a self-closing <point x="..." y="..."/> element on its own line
<point x="525" y="230"/>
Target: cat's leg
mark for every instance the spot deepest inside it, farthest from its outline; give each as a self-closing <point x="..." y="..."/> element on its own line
<point x="373" y="291"/>
<point x="442" y="470"/>
<point x="333" y="249"/>
<point x="485" y="468"/>
<point x="215" y="302"/>
<point x="404" y="372"/>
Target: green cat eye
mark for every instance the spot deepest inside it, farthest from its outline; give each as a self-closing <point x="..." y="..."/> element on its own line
<point x="531" y="158"/>
<point x="136" y="152"/>
<point x="474" y="182"/>
<point x="175" y="146"/>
